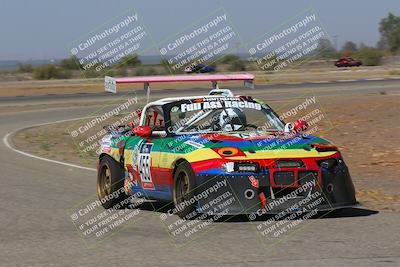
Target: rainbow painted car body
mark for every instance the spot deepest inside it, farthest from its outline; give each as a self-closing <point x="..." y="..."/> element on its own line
<point x="210" y="140"/>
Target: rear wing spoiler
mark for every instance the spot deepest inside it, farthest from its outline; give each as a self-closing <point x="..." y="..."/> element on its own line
<point x="110" y="83"/>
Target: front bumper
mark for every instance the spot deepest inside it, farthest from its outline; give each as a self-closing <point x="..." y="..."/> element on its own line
<point x="258" y="193"/>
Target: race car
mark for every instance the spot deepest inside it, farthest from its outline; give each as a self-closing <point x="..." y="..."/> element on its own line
<point x="347" y="62"/>
<point x="221" y="154"/>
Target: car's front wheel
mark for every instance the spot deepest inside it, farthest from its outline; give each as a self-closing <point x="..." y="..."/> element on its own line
<point x="184" y="183"/>
<point x="110" y="183"/>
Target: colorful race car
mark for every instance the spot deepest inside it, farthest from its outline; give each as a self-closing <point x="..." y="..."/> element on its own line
<point x="221" y="154"/>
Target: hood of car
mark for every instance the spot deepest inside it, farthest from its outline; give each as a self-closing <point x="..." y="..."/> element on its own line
<point x="255" y="140"/>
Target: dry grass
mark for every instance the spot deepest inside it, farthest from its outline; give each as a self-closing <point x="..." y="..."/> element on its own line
<point x="394" y="72"/>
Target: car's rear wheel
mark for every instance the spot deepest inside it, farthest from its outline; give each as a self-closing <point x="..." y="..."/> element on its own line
<point x="110" y="183"/>
<point x="184" y="183"/>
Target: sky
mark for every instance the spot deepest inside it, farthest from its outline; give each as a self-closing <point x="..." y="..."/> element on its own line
<point x="44" y="29"/>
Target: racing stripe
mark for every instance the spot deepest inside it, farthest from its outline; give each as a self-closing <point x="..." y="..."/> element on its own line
<point x="167" y="160"/>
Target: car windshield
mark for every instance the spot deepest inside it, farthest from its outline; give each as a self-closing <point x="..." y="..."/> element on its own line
<point x="231" y="114"/>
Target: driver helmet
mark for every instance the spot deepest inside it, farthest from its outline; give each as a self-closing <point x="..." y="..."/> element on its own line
<point x="232" y="119"/>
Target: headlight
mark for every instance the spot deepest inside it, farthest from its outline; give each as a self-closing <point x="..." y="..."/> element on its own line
<point x="247" y="167"/>
<point x="240" y="167"/>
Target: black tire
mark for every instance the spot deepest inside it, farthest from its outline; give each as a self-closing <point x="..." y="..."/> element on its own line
<point x="184" y="184"/>
<point x="110" y="183"/>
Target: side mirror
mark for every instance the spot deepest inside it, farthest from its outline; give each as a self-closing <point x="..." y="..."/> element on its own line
<point x="143" y="131"/>
<point x="300" y="126"/>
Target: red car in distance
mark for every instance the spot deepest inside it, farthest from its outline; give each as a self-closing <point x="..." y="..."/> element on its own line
<point x="347" y="62"/>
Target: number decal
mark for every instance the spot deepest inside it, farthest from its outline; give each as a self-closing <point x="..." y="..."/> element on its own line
<point x="144" y="166"/>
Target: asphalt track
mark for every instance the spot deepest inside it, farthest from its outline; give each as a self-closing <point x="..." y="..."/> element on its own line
<point x="36" y="229"/>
